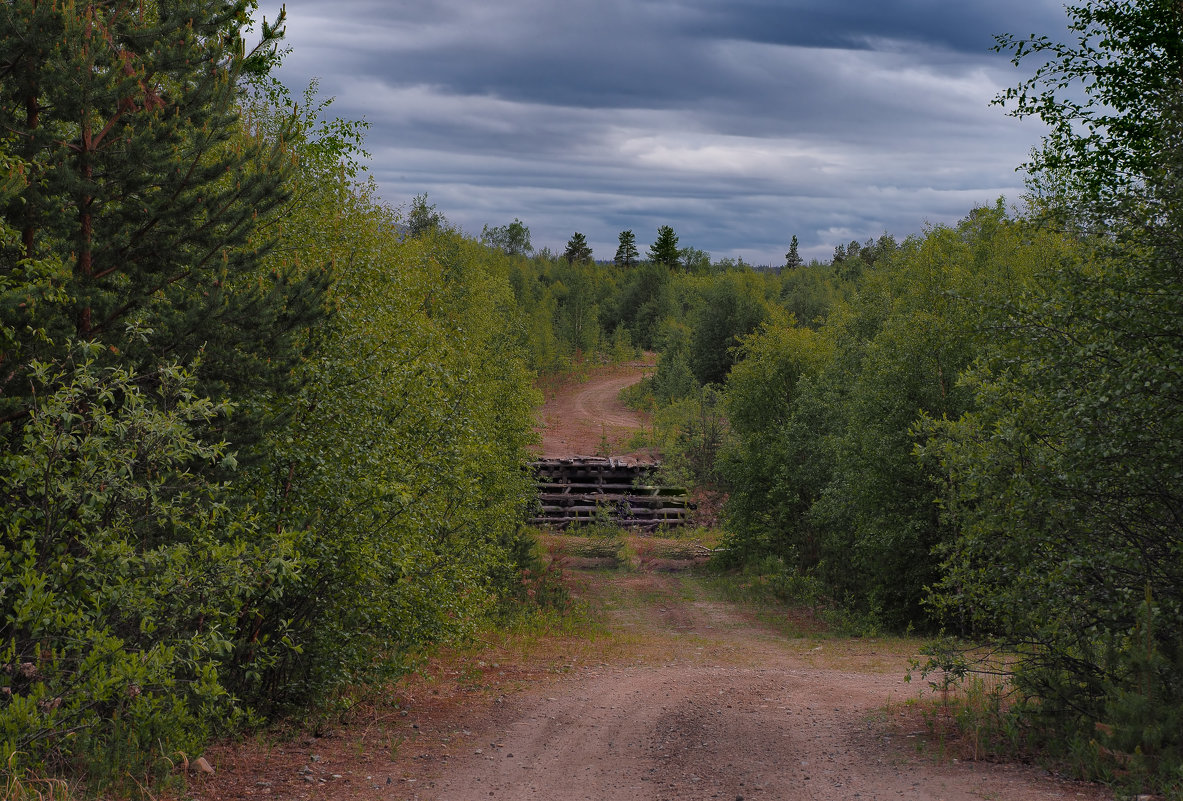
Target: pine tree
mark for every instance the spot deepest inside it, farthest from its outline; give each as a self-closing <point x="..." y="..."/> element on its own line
<point x="793" y="260"/>
<point x="577" y="249"/>
<point x="665" y="249"/>
<point x="626" y="254"/>
<point x="145" y="185"/>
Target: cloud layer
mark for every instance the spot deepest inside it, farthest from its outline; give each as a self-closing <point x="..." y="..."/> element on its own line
<point x="738" y="122"/>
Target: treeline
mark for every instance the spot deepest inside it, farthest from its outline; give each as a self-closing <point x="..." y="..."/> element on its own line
<point x="984" y="440"/>
<point x="677" y="301"/>
<point x="260" y="443"/>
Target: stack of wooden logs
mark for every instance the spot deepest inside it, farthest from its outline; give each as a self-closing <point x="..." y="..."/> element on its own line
<point x="583" y="490"/>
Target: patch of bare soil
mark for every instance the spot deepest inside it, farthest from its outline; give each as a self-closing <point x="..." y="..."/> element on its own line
<point x="584" y="416"/>
<point x="680" y="696"/>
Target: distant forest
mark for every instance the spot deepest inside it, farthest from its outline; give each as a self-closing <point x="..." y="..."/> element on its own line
<point x="263" y="437"/>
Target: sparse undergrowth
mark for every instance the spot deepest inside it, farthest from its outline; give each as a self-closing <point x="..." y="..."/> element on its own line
<point x="974" y="712"/>
<point x="769" y="581"/>
<point x="17" y="788"/>
<point x="607" y="546"/>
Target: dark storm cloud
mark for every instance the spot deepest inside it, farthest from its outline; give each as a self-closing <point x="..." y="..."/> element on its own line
<point x="739" y="123"/>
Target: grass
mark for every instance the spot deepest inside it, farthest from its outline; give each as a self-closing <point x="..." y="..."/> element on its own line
<point x="968" y="720"/>
<point x="17" y="788"/>
<point x="610" y="547"/>
<point x="976" y="716"/>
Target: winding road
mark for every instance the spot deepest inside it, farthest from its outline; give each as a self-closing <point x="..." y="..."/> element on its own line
<point x="578" y="417"/>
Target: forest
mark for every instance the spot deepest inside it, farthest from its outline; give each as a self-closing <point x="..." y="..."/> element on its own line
<point x="263" y="436"/>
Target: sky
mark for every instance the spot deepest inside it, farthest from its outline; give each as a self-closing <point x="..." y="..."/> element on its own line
<point x="739" y="123"/>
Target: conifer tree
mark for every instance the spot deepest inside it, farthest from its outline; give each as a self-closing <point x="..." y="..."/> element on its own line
<point x="627" y="254"/>
<point x="793" y="259"/>
<point x="665" y="249"/>
<point x="145" y="185"/>
<point x="577" y="249"/>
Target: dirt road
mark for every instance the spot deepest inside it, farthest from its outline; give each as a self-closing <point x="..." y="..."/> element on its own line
<point x="678" y="696"/>
<point x="719" y="706"/>
<point x="670" y="694"/>
<point x="580" y="416"/>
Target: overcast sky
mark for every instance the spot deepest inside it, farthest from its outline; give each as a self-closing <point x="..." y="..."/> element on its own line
<point x="737" y="122"/>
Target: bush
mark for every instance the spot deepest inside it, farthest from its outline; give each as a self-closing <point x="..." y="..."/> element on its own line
<point x="122" y="575"/>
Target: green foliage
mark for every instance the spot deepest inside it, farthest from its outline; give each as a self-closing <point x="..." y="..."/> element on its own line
<point x="531" y="581"/>
<point x="793" y="259"/>
<point x="664" y="249"/>
<point x="823" y="472"/>
<point x="626" y="252"/>
<point x="512" y="239"/>
<point x="149" y="591"/>
<point x="422" y="217"/>
<point x="1064" y="481"/>
<point x="29" y="288"/>
<point x="644" y="301"/>
<point x="1105" y="98"/>
<point x="733" y="307"/>
<point x="563" y="308"/>
<point x="771" y="582"/>
<point x="143" y="186"/>
<point x="130" y="252"/>
<point x="673" y="379"/>
<point x="852" y="260"/>
<point x="810" y="292"/>
<point x="399" y="482"/>
<point x="694" y="430"/>
<point x="123" y="571"/>
<point x="776" y="465"/>
<point x="622" y="348"/>
<point x="695" y="260"/>
<point x="193" y="278"/>
<point x="577" y="249"/>
<point x="769" y="579"/>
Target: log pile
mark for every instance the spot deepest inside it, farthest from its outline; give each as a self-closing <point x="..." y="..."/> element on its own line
<point x="581" y="490"/>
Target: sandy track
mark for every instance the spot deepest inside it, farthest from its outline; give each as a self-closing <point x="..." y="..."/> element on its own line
<point x="687" y="732"/>
<point x="684" y="698"/>
<point x="579" y="416"/>
<point x="732" y="711"/>
<point x="598" y="403"/>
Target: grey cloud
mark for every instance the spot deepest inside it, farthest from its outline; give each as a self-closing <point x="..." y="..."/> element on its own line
<point x="967" y="27"/>
<point x="739" y="123"/>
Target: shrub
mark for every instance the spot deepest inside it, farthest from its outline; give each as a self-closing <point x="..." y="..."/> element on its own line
<point x="122" y="572"/>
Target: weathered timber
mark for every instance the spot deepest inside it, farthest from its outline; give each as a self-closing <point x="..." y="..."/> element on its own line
<point x="581" y="490"/>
